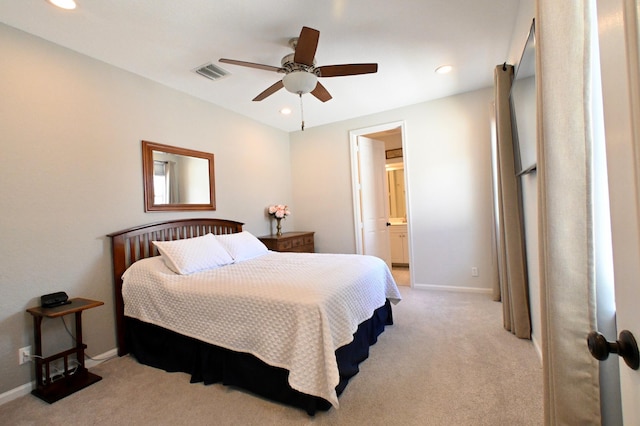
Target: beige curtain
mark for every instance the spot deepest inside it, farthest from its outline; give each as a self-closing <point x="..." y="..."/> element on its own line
<point x="512" y="289"/>
<point x="565" y="211"/>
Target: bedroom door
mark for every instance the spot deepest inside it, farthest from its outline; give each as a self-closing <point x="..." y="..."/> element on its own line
<point x="374" y="199"/>
<point x="370" y="203"/>
<point x="618" y="25"/>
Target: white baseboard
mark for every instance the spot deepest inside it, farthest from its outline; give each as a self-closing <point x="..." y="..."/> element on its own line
<point x="16" y="393"/>
<point x="90" y="363"/>
<point x="452" y="288"/>
<point x="28" y="387"/>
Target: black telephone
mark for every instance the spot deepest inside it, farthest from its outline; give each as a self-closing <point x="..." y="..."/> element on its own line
<point x="54" y="299"/>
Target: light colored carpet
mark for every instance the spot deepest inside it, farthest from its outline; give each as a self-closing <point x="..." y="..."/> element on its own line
<point x="446" y="361"/>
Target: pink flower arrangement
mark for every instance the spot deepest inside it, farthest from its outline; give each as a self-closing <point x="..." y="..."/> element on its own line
<point x="279" y="211"/>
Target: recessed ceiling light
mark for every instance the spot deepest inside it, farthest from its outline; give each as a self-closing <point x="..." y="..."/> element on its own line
<point x="443" y="69"/>
<point x="285" y="111"/>
<point x="64" y="4"/>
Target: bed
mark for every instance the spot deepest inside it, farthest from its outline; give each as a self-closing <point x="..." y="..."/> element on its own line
<point x="291" y="327"/>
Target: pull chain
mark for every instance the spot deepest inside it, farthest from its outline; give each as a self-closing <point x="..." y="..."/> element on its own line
<point x="301" y="112"/>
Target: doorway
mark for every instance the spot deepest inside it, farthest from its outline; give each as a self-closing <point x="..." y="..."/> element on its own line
<point x="387" y="237"/>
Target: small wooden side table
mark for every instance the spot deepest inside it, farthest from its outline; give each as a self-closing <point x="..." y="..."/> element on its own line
<point x="52" y="389"/>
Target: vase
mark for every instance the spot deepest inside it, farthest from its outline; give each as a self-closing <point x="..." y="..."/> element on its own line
<point x="278" y="227"/>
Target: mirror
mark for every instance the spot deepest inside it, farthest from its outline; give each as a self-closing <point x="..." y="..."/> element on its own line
<point x="177" y="179"/>
<point x="397" y="203"/>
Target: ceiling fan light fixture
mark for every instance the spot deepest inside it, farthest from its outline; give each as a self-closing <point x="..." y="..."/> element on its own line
<point x="300" y="82"/>
<point x="64" y="4"/>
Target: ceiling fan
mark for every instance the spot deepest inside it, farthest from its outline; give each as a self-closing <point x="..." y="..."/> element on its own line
<point x="300" y="71"/>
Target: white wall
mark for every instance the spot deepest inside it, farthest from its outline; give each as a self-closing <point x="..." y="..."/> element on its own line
<point x="71" y="131"/>
<point x="448" y="166"/>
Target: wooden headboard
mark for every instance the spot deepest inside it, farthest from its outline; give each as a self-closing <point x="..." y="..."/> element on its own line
<point x="133" y="244"/>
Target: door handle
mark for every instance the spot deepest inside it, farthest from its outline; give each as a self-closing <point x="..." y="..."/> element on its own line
<point x="388" y="223"/>
<point x="625" y="346"/>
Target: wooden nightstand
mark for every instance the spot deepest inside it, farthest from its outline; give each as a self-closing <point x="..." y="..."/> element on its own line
<point x="301" y="242"/>
<point x="72" y="379"/>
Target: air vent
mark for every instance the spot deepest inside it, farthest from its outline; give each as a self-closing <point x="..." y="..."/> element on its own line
<point x="212" y="72"/>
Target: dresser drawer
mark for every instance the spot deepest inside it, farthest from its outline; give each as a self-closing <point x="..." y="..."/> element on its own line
<point x="302" y="242"/>
<point x="284" y="245"/>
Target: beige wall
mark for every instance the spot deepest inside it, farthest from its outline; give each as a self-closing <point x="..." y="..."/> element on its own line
<point x="71" y="173"/>
<point x="448" y="167"/>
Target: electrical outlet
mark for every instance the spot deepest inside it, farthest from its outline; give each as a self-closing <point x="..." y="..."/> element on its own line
<point x="24" y="355"/>
<point x="474" y="271"/>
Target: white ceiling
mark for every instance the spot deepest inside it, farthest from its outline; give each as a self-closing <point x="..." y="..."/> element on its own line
<point x="165" y="40"/>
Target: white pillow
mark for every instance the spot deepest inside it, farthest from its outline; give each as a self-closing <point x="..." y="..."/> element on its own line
<point x="242" y="245"/>
<point x="193" y="254"/>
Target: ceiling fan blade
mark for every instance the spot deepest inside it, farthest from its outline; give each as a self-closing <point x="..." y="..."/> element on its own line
<point x="251" y="65"/>
<point x="321" y="93"/>
<point x="347" y="69"/>
<point x="306" y="47"/>
<point x="270" y="91"/>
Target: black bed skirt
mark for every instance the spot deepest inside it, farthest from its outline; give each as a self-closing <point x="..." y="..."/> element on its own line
<point x="161" y="348"/>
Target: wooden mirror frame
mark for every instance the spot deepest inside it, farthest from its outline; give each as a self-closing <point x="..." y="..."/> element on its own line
<point x="147" y="172"/>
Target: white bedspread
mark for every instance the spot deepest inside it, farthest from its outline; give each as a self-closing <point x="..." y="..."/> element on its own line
<point x="291" y="310"/>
